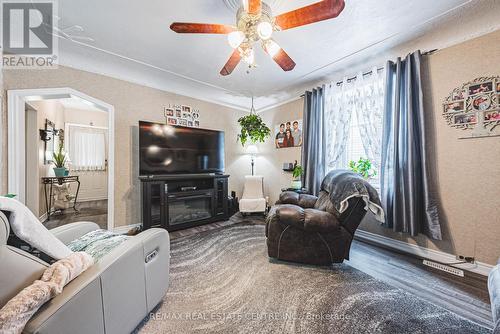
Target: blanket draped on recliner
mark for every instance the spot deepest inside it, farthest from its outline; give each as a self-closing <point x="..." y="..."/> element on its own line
<point x="28" y="228"/>
<point x="19" y="310"/>
<point x="342" y="185"/>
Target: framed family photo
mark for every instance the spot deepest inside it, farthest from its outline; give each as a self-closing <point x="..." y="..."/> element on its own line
<point x="288" y="134"/>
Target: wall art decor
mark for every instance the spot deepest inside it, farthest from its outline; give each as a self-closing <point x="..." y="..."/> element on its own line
<point x="288" y="134"/>
<point x="182" y="115"/>
<point x="475" y="106"/>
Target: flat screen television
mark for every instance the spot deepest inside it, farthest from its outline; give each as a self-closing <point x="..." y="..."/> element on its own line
<point x="166" y="149"/>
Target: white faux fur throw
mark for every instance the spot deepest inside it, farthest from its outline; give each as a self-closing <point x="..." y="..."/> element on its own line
<point x="18" y="311"/>
<point x="28" y="228"/>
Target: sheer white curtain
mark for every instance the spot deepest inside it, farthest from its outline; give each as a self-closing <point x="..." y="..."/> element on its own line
<point x="363" y="96"/>
<point x="370" y="113"/>
<point x="338" y="112"/>
<point x="87" y="148"/>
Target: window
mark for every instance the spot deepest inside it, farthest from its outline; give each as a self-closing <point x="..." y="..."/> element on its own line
<point x="354" y="116"/>
<point x="356" y="150"/>
<point x="87" y="148"/>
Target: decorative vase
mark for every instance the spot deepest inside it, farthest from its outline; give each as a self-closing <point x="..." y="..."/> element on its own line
<point x="296" y="184"/>
<point x="59" y="172"/>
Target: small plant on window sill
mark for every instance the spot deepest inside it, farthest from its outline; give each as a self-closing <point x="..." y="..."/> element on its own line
<point x="363" y="167"/>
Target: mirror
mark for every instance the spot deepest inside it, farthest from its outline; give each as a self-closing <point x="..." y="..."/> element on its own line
<point x="52" y="138"/>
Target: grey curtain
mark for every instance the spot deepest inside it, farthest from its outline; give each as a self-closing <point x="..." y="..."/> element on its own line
<point x="405" y="181"/>
<point x="314" y="145"/>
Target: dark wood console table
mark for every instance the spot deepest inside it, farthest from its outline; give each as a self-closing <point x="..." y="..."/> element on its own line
<point x="50" y="181"/>
<point x="176" y="202"/>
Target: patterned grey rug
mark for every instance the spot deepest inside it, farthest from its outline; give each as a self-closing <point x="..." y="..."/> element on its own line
<point x="222" y="281"/>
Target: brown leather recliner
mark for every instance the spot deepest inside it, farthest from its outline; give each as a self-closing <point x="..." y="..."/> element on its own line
<point x="308" y="229"/>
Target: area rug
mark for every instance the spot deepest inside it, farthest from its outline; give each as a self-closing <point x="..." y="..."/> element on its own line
<point x="222" y="281"/>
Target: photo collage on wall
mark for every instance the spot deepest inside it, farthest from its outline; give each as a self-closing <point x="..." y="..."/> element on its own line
<point x="288" y="134"/>
<point x="181" y="115"/>
<point x="473" y="103"/>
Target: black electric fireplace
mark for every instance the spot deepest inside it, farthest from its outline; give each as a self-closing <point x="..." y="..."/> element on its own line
<point x="179" y="201"/>
<point x="187" y="208"/>
<point x="182" y="178"/>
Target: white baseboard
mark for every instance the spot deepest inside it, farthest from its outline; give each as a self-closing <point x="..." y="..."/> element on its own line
<point x="91" y="199"/>
<point x="423" y="253"/>
<point x="125" y="229"/>
<point x="43" y="217"/>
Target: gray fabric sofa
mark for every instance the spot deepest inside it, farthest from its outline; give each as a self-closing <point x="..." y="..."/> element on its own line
<point x="112" y="296"/>
<point x="494" y="289"/>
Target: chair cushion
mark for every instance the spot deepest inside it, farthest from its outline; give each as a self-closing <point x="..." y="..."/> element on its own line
<point x="302" y="200"/>
<point x="311" y="220"/>
<point x="253" y="205"/>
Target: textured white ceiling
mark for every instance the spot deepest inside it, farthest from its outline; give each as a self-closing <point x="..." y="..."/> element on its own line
<point x="132" y="41"/>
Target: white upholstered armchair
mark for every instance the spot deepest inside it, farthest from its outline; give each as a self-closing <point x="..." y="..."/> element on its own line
<point x="253" y="199"/>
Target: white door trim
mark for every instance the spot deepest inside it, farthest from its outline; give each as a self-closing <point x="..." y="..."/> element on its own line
<point x="16" y="100"/>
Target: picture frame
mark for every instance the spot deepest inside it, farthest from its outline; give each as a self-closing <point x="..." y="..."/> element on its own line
<point x="483" y="87"/>
<point x="169" y="112"/>
<point x="479" y="110"/>
<point x="172" y="121"/>
<point x="455" y="106"/>
<point x="465" y="119"/>
<point x="288" y="134"/>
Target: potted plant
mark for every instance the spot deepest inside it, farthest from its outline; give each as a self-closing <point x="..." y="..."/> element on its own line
<point x="253" y="128"/>
<point x="59" y="160"/>
<point x="297" y="173"/>
<point x="363" y="167"/>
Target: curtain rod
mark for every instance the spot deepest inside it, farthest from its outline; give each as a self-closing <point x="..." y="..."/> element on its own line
<point x="427" y="53"/>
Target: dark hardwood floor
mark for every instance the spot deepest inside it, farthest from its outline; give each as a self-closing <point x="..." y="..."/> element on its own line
<point x="93" y="211"/>
<point x="467" y="297"/>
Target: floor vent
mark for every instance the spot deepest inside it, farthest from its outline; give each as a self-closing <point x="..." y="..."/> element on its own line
<point x="444" y="267"/>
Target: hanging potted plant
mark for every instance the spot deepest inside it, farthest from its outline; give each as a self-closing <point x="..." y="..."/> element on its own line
<point x="363" y="167"/>
<point x="297" y="173"/>
<point x="59" y="160"/>
<point x="253" y="128"/>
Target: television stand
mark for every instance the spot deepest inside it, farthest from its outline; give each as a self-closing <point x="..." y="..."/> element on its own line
<point x="176" y="202"/>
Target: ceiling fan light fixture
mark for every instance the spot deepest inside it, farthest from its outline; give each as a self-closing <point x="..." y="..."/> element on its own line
<point x="265" y="30"/>
<point x="249" y="56"/>
<point x="272" y="48"/>
<point x="235" y="38"/>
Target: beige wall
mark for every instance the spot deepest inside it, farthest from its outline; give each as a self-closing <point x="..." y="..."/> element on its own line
<point x="54" y="112"/>
<point x="270" y="160"/>
<point x="132" y="103"/>
<point x="469" y="190"/>
<point x="86" y="117"/>
<point x="466" y="170"/>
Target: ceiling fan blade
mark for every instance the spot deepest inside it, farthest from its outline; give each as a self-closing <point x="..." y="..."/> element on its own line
<point x="279" y="56"/>
<point x="323" y="10"/>
<point x="231" y="64"/>
<point x="254" y="6"/>
<point x="201" y="28"/>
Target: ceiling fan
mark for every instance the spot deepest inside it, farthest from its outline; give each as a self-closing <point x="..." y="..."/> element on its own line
<point x="255" y="23"/>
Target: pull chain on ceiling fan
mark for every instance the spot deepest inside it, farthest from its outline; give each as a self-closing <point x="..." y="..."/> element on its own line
<point x="255" y="23"/>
